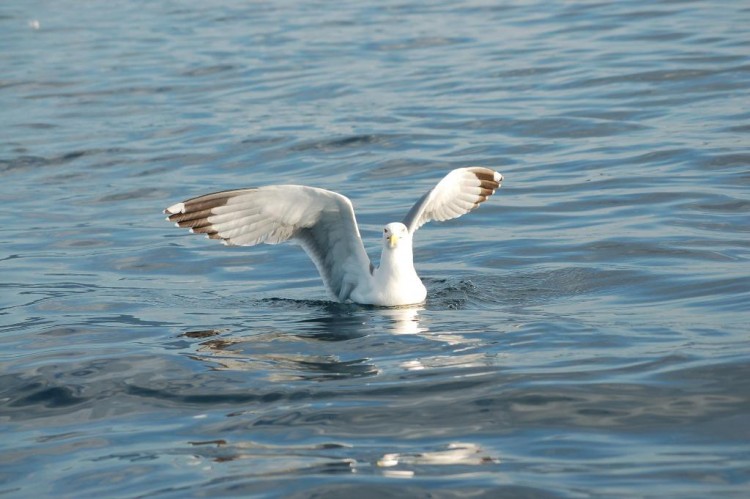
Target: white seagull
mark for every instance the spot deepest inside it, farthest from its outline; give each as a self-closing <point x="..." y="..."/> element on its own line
<point x="323" y="223"/>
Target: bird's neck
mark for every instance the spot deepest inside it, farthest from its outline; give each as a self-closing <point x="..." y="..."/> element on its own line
<point x="397" y="261"/>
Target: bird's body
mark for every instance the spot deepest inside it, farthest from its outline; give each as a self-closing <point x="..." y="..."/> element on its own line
<point x="323" y="223"/>
<point x="395" y="281"/>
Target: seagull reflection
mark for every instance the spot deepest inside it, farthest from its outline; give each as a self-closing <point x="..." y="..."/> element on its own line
<point x="404" y="320"/>
<point x="268" y="460"/>
<point x="453" y="454"/>
<point x="301" y="351"/>
<point x="269" y="354"/>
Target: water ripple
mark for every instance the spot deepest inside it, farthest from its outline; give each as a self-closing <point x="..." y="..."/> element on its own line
<point x="585" y="332"/>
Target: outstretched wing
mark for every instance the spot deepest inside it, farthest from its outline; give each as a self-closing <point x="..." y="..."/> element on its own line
<point x="321" y="221"/>
<point x="457" y="194"/>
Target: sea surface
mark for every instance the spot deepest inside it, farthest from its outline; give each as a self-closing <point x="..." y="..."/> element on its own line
<point x="587" y="329"/>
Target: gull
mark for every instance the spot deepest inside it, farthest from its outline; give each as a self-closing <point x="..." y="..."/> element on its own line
<point x="323" y="223"/>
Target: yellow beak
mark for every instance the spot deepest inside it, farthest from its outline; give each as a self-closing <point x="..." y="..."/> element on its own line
<point x="392" y="240"/>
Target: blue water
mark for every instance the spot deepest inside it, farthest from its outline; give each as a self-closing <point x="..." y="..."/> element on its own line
<point x="586" y="329"/>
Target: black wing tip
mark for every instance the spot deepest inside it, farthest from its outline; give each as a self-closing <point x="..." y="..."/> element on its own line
<point x="205" y="202"/>
<point x="488" y="176"/>
<point x="489" y="182"/>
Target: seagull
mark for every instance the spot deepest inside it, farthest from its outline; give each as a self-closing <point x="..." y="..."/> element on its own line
<point x="323" y="223"/>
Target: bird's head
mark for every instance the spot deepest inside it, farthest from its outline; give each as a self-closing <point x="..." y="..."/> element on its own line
<point x="394" y="234"/>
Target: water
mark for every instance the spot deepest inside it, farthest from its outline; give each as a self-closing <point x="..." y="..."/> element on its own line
<point x="586" y="331"/>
